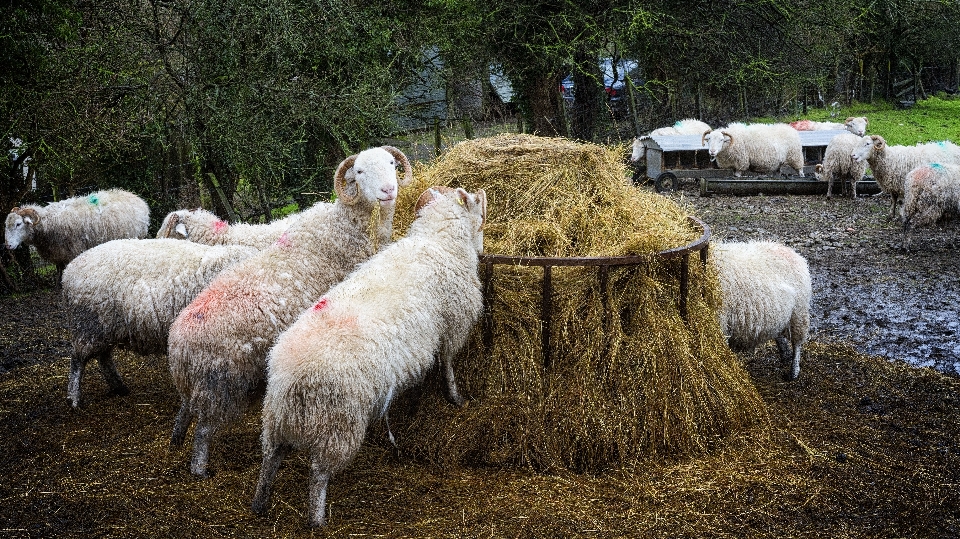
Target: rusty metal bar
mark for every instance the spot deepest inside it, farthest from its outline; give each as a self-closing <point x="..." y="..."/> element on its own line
<point x="684" y="284"/>
<point x="545" y="310"/>
<point x="488" y="308"/>
<point x="629" y="260"/>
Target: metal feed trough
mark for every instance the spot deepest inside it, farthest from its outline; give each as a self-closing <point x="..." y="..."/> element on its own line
<point x="603" y="265"/>
<point x="673" y="158"/>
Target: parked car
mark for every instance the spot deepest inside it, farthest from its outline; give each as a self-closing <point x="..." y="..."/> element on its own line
<point x="613" y="83"/>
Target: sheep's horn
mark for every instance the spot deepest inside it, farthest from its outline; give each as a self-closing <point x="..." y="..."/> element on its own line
<point x="727" y="134"/>
<point x="340" y="181"/>
<point x="427" y="196"/>
<point x="819" y="168"/>
<point x="407" y="170"/>
<point x="31" y="213"/>
<point x="703" y="138"/>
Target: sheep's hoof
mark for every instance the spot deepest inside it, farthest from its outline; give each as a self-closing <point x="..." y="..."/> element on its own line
<point x="790" y="376"/>
<point x="74" y="403"/>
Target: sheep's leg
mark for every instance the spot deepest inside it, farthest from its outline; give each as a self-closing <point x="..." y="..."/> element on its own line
<point x="385" y="412"/>
<point x="78" y="363"/>
<point x="272" y="457"/>
<point x="784" y="346"/>
<point x="181" y="424"/>
<point x="830" y="187"/>
<point x="319" y="479"/>
<point x="447" y="351"/>
<point x="109" y="370"/>
<point x="202" y="434"/>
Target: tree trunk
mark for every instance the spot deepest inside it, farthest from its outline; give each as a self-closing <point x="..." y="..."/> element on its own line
<point x="543" y="99"/>
<point x="587" y="97"/>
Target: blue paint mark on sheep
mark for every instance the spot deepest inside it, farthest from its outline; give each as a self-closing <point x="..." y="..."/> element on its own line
<point x="936" y="166"/>
<point x="93" y="199"/>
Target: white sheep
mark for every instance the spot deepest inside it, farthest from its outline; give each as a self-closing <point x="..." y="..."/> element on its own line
<point x="838" y="165"/>
<point x="930" y="192"/>
<point x="370" y="337"/>
<point x="856" y="125"/>
<point x="682" y="127"/>
<point x="763" y="148"/>
<point x="202" y="226"/>
<point x="62" y="230"/>
<point x="766" y="295"/>
<point x="218" y="345"/>
<point x="128" y="292"/>
<point x="890" y="164"/>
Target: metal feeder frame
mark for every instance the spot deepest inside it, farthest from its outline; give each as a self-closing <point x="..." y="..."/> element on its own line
<point x="603" y="265"/>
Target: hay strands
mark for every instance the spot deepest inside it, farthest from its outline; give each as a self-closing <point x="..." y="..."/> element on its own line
<point x="603" y="264"/>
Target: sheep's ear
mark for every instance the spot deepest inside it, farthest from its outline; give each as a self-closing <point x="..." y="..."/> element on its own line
<point x="819" y="168"/>
<point x="182" y="230"/>
<point x="878" y="141"/>
<point x="462" y="196"/>
<point x="848" y="120"/>
<point x="482" y="200"/>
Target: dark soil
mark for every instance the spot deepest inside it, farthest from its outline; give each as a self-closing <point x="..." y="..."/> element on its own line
<point x="863" y="445"/>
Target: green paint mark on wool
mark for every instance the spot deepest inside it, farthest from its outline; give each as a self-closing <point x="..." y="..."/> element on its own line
<point x="936" y="166"/>
<point x="93" y="199"/>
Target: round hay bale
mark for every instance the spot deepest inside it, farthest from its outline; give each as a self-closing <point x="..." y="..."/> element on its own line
<point x="629" y="377"/>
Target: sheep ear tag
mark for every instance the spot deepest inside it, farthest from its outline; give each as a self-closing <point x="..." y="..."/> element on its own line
<point x="181" y="229"/>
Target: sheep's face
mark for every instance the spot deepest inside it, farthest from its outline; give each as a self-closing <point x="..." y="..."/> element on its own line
<point x="374" y="177"/>
<point x="716" y="141"/>
<point x="637" y="150"/>
<point x="19" y="229"/>
<point x="857" y="126"/>
<point x="865" y="149"/>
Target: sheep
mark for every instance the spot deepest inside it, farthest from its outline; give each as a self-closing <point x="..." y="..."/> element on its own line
<point x="763" y="148"/>
<point x="62" y="230"/>
<point x="837" y="163"/>
<point x="766" y="295"/>
<point x="341" y="363"/>
<point x="202" y="226"/>
<point x="127" y="292"/>
<point x="218" y="344"/>
<point x="890" y="164"/>
<point x="856" y="125"/>
<point x="683" y="127"/>
<point x="930" y="191"/>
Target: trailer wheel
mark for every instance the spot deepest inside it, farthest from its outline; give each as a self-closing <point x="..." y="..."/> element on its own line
<point x="666" y="181"/>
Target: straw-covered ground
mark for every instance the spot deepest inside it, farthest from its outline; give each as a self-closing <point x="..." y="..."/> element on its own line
<point x="859" y="446"/>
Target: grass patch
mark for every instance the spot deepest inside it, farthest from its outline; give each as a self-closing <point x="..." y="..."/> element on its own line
<point x="933" y="119"/>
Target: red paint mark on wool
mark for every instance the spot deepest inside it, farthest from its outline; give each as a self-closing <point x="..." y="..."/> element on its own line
<point x="220" y="226"/>
<point x="320" y="304"/>
<point x="802" y="125"/>
<point x="283" y="240"/>
<point x="922" y="174"/>
<point x="199" y="308"/>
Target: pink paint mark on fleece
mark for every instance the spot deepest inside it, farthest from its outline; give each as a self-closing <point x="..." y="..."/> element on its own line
<point x="199" y="308"/>
<point x="802" y="125"/>
<point x="320" y="304"/>
<point x="284" y="240"/>
<point x="922" y="174"/>
<point x="220" y="226"/>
